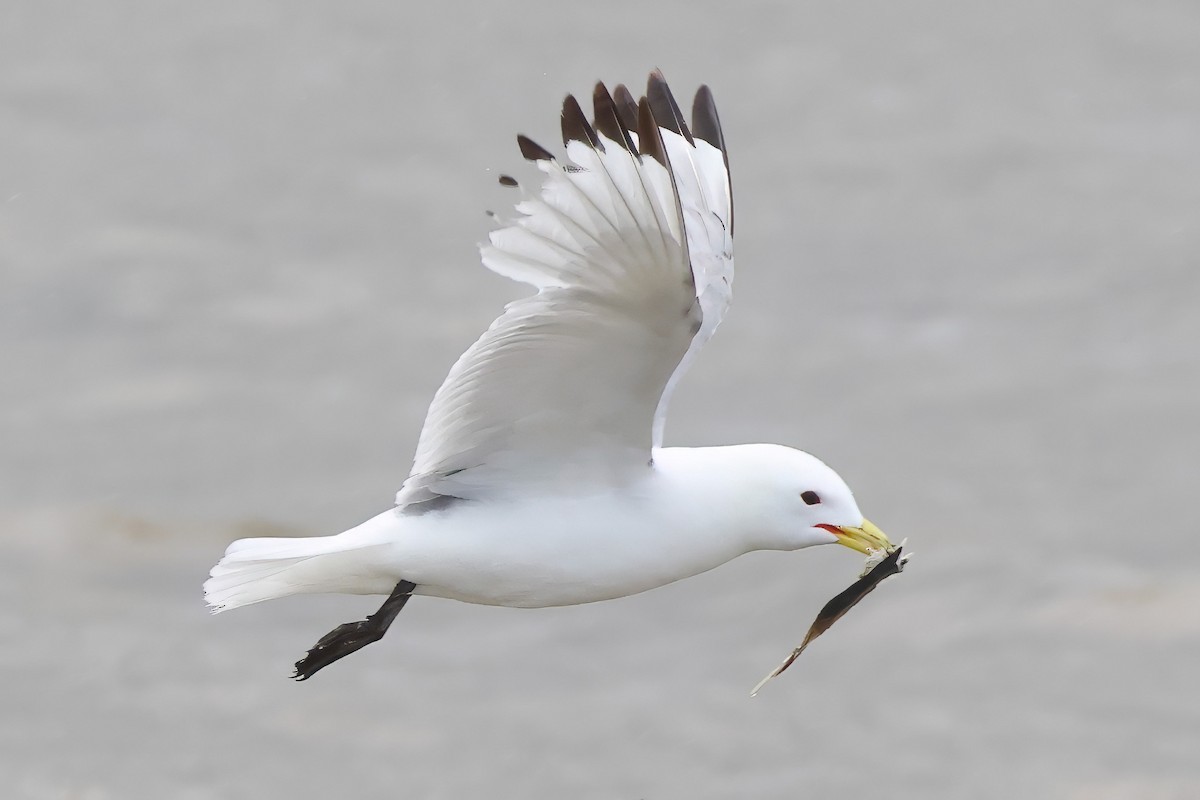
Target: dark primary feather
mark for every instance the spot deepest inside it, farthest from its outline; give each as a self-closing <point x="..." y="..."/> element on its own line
<point x="649" y="138"/>
<point x="707" y="126"/>
<point x="626" y="107"/>
<point x="608" y="120"/>
<point x="705" y="122"/>
<point x="531" y="150"/>
<point x="575" y="127"/>
<point x="618" y="116"/>
<point x="651" y="142"/>
<point x="665" y="109"/>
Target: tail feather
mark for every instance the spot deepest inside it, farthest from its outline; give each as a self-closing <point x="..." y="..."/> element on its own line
<point x="254" y="570"/>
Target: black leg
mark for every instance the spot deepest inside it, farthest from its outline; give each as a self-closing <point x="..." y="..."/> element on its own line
<point x="345" y="639"/>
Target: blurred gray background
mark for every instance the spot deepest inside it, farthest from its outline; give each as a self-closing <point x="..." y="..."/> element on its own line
<point x="237" y="253"/>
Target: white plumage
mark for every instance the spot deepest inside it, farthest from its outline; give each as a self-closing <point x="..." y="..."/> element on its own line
<point x="539" y="478"/>
<point x="560" y="387"/>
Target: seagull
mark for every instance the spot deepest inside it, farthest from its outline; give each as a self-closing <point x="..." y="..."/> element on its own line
<point x="540" y="477"/>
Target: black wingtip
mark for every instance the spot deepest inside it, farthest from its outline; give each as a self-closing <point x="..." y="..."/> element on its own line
<point x="649" y="138"/>
<point x="665" y="109"/>
<point x="531" y="150"/>
<point x="608" y="119"/>
<point x="705" y="122"/>
<point x="508" y="180"/>
<point x="707" y="125"/>
<point x="575" y="127"/>
<point x="627" y="107"/>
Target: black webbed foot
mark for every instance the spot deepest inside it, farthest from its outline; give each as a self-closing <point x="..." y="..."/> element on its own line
<point x="351" y="636"/>
<point x="338" y="643"/>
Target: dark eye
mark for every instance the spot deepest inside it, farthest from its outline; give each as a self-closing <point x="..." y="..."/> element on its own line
<point x="811" y="497"/>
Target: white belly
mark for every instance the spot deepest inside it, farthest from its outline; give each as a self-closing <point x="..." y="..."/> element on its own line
<point x="550" y="553"/>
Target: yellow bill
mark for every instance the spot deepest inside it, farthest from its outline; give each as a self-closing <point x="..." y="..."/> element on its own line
<point x="865" y="539"/>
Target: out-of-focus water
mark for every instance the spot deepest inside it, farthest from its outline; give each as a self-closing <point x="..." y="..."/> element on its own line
<point x="237" y="258"/>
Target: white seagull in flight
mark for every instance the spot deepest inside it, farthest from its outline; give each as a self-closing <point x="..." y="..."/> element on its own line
<point x="540" y="478"/>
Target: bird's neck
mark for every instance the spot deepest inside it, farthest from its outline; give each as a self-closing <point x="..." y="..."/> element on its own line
<point x="715" y="490"/>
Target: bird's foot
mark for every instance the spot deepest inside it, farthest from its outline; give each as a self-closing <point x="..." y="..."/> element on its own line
<point x="351" y="636"/>
<point x="338" y="643"/>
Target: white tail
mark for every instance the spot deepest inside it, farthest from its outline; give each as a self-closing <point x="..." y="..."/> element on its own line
<point x="254" y="570"/>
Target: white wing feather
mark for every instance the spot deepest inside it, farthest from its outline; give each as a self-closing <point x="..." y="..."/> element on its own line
<point x="707" y="203"/>
<point x="633" y="264"/>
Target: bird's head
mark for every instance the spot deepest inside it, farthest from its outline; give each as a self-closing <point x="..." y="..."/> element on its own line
<point x="801" y="502"/>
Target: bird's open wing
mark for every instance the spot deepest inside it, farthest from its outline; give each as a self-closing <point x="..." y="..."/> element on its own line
<point x="630" y="248"/>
